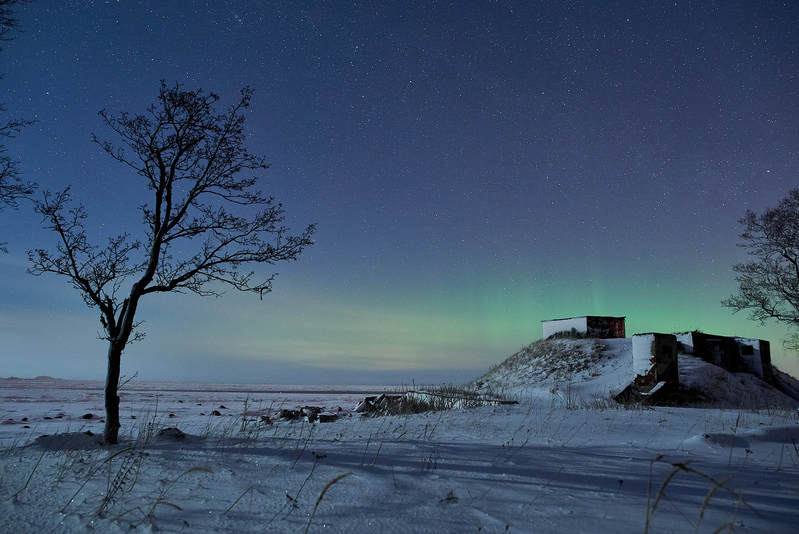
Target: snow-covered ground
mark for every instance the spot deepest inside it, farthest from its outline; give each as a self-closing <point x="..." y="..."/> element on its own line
<point x="532" y="467"/>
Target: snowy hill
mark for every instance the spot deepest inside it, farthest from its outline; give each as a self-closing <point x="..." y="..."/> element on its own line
<point x="718" y="387"/>
<point x="588" y="370"/>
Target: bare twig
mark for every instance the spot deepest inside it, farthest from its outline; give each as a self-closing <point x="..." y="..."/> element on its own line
<point x="245" y="492"/>
<point x="322" y="496"/>
<point x="20" y="490"/>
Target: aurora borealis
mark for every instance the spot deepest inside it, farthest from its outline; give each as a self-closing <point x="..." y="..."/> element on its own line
<point x="474" y="168"/>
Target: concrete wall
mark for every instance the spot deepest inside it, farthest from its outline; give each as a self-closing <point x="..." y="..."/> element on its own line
<point x="765" y="358"/>
<point x="554" y="326"/>
<point x="686" y="339"/>
<point x="654" y="361"/>
<point x="749" y="350"/>
<point x="715" y="349"/>
<point x="605" y="327"/>
<point x="642" y="353"/>
<point x="755" y="357"/>
<point x="735" y="354"/>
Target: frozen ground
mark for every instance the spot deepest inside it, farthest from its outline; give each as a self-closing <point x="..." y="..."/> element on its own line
<point x="53" y="405"/>
<point x="532" y="467"/>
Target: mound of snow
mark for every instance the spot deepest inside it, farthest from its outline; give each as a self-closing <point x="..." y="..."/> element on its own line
<point x="570" y="369"/>
<point x="724" y="389"/>
<point x="744" y="438"/>
<point x="786" y="383"/>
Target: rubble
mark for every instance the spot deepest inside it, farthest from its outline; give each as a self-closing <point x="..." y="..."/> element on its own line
<point x="310" y="413"/>
<point x="380" y="404"/>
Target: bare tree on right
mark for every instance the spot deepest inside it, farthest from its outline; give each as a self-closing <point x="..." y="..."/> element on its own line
<point x="768" y="285"/>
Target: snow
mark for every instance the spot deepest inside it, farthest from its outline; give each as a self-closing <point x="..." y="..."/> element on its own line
<point x="642" y="353"/>
<point x="729" y="390"/>
<point x="538" y="466"/>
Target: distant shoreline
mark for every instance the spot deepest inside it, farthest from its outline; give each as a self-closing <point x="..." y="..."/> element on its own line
<point x="192" y="387"/>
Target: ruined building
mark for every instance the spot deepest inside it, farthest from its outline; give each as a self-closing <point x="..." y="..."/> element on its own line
<point x="586" y="326"/>
<point x="655" y="355"/>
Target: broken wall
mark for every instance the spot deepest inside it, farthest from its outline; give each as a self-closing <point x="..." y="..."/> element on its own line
<point x="554" y="326"/>
<point x="605" y="327"/>
<point x="755" y="357"/>
<point x="735" y="354"/>
<point x="749" y="350"/>
<point x="655" y="360"/>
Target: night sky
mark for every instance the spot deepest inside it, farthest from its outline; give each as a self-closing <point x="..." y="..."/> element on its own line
<point x="474" y="168"/>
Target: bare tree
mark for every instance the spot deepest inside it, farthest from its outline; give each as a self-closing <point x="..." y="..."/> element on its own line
<point x="768" y="286"/>
<point x="7" y="20"/>
<point x="12" y="188"/>
<point x="191" y="160"/>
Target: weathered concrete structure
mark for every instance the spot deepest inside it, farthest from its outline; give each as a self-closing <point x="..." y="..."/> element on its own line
<point x="755" y="356"/>
<point x="655" y="362"/>
<point x="587" y="326"/>
<point x="735" y="354"/>
<point x="655" y="355"/>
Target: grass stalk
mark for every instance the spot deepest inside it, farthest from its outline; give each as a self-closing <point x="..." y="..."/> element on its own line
<point x="322" y="496"/>
<point x="23" y="488"/>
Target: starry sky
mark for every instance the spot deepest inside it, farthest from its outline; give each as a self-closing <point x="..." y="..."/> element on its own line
<point x="474" y="168"/>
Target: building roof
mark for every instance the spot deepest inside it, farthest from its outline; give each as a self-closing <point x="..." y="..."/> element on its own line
<point x="583" y="317"/>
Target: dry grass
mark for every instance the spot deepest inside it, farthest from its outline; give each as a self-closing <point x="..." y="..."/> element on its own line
<point x="556" y="359"/>
<point x="28" y="481"/>
<point x="125" y="478"/>
<point x="684" y="467"/>
<point x="434" y="399"/>
<point x="322" y="496"/>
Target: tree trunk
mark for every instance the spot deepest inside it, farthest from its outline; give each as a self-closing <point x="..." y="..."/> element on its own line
<point x="118" y="339"/>
<point x="111" y="432"/>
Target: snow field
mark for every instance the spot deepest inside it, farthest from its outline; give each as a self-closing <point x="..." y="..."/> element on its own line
<point x="532" y="467"/>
